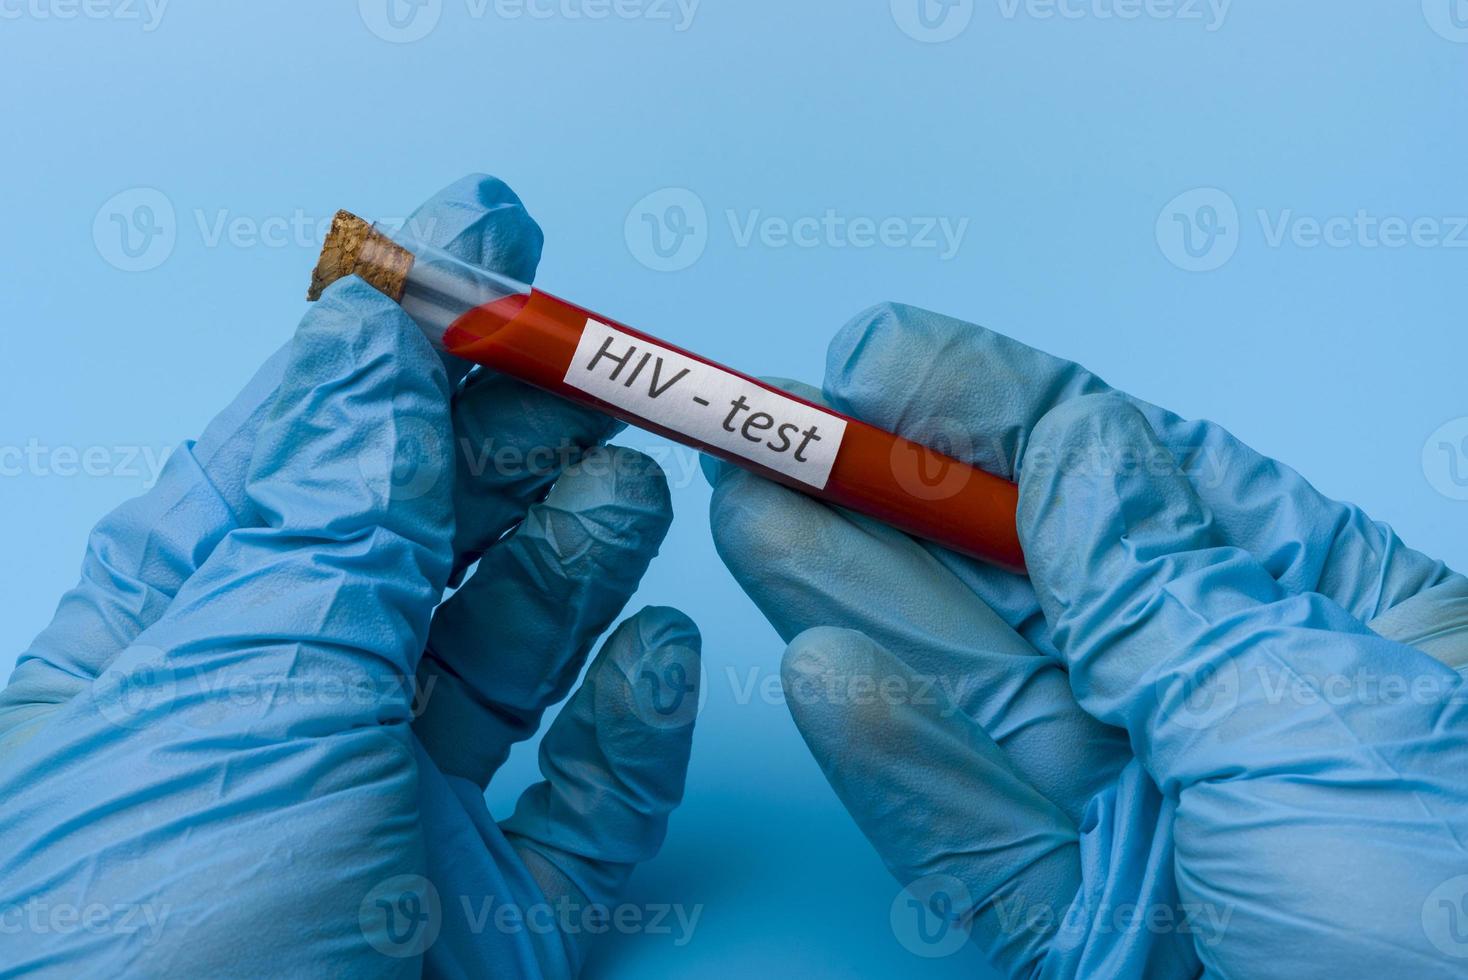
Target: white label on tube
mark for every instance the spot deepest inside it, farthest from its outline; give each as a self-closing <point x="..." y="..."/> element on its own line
<point x="707" y="403"/>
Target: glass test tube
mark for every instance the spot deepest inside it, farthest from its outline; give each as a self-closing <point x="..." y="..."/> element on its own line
<point x="488" y="319"/>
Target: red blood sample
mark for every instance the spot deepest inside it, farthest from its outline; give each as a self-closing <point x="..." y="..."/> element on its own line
<point x="534" y="337"/>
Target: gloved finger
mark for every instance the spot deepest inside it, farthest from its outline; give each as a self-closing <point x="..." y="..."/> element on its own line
<point x="970" y="840"/>
<point x="1287" y="731"/>
<point x="806" y="564"/>
<point x="510" y="440"/>
<point x="480" y="220"/>
<point x="139" y="556"/>
<point x="1174" y="634"/>
<point x="511" y="642"/>
<point x="614" y="762"/>
<point x="979" y="395"/>
<point x="511" y="443"/>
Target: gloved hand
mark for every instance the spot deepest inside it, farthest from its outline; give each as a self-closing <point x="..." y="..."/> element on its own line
<point x="210" y="763"/>
<point x="1218" y="729"/>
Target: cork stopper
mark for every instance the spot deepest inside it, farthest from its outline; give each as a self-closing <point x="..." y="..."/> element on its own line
<point x="355" y="248"/>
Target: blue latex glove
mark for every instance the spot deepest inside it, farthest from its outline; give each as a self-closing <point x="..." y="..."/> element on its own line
<point x="1152" y="758"/>
<point x="210" y="763"/>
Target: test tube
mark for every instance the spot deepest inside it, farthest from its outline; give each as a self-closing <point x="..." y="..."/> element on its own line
<point x="580" y="355"/>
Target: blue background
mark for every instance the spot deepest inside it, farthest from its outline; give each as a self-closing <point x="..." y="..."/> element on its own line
<point x="1061" y="140"/>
